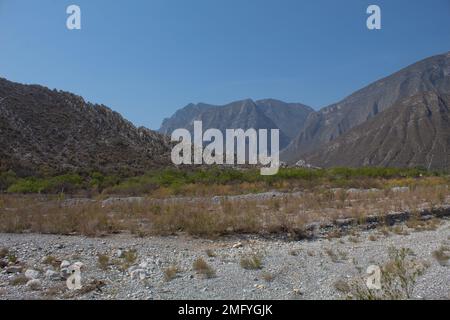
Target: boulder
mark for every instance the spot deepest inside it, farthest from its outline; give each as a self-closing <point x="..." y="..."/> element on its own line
<point x="31" y="274"/>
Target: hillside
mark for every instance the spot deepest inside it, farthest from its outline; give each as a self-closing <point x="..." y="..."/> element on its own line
<point x="43" y="130"/>
<point x="414" y="132"/>
<point x="432" y="74"/>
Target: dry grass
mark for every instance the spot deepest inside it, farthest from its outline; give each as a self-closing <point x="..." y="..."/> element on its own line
<point x="52" y="261"/>
<point x="336" y="256"/>
<point x="129" y="257"/>
<point x="398" y="278"/>
<point x="253" y="261"/>
<point x="171" y="272"/>
<point x="210" y="253"/>
<point x="203" y="268"/>
<point x="442" y="255"/>
<point x="420" y="225"/>
<point x="103" y="261"/>
<point x="342" y="286"/>
<point x="4" y="253"/>
<point x="20" y="280"/>
<point x="267" y="276"/>
<point x="205" y="218"/>
<point x="12" y="258"/>
<point x="400" y="230"/>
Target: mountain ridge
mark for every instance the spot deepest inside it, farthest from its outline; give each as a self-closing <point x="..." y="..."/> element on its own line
<point x="415" y="132"/>
<point x="57" y="131"/>
<point x="242" y="114"/>
<point x="325" y="125"/>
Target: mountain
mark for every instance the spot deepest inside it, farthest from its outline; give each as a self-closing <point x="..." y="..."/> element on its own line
<point x="245" y="114"/>
<point x="326" y="125"/>
<point x="414" y="132"/>
<point x="56" y="131"/>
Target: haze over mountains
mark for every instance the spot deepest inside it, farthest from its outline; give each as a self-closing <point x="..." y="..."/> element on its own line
<point x="399" y="121"/>
<point x="245" y="114"/>
<point x="322" y="127"/>
<point x="418" y="94"/>
<point x="414" y="132"/>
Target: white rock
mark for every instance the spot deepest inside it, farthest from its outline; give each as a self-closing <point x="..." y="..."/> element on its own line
<point x="65" y="273"/>
<point x="65" y="264"/>
<point x="31" y="274"/>
<point x="238" y="245"/>
<point x="138" y="274"/>
<point x="52" y="275"/>
<point x="400" y="189"/>
<point x="34" y="284"/>
<point x="119" y="253"/>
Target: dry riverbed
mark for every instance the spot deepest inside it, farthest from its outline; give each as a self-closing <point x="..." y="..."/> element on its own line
<point x="34" y="266"/>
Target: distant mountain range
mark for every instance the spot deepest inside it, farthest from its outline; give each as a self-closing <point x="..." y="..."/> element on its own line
<point x="348" y="133"/>
<point x="245" y="114"/>
<point x="324" y="126"/>
<point x="44" y="130"/>
<point x="413" y="132"/>
<point x="398" y="121"/>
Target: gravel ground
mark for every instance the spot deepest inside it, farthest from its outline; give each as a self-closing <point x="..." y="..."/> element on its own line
<point x="296" y="270"/>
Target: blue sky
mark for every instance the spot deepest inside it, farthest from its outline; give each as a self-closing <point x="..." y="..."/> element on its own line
<point x="146" y="59"/>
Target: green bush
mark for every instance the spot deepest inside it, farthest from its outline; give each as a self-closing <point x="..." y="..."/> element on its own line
<point x="58" y="184"/>
<point x="7" y="179"/>
<point x="29" y="185"/>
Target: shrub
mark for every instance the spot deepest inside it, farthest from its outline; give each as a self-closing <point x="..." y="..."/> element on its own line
<point x="442" y="255"/>
<point x="398" y="278"/>
<point x="103" y="261"/>
<point x="7" y="179"/>
<point x="252" y="262"/>
<point x="203" y="268"/>
<point x="171" y="273"/>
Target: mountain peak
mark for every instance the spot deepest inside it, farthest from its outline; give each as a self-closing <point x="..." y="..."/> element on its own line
<point x="430" y="74"/>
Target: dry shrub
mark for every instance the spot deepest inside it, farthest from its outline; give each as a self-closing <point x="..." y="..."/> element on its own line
<point x="442" y="255"/>
<point x="171" y="272"/>
<point x="206" y="218"/>
<point x="252" y="262"/>
<point x="203" y="268"/>
<point x="398" y="278"/>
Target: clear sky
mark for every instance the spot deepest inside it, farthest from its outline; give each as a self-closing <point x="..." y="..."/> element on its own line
<point x="146" y="59"/>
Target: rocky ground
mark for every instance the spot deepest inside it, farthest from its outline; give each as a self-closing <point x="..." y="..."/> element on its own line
<point x="35" y="266"/>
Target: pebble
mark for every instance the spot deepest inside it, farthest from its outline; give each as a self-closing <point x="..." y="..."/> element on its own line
<point x="52" y="275"/>
<point x="138" y="274"/>
<point x="34" y="284"/>
<point x="64" y="264"/>
<point x="14" y="269"/>
<point x="31" y="274"/>
<point x="238" y="245"/>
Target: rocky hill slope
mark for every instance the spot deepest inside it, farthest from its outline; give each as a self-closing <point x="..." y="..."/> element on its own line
<point x="432" y="74"/>
<point x="43" y="130"/>
<point x="414" y="132"/>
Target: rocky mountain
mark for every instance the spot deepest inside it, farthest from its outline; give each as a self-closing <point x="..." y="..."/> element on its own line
<point x="414" y="132"/>
<point x="245" y="114"/>
<point x="49" y="130"/>
<point x="432" y="74"/>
